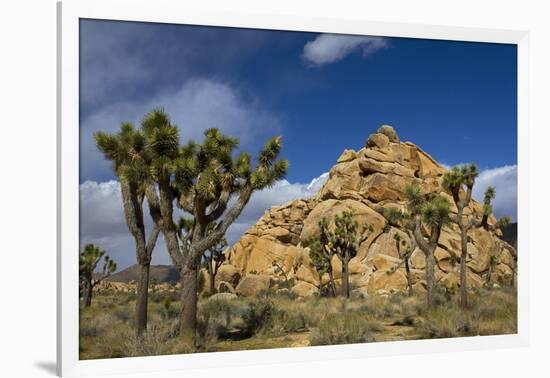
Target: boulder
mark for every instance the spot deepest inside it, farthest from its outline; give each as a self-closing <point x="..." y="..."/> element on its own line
<point x="229" y="274"/>
<point x="384" y="262"/>
<point x="389" y="131"/>
<point x="307" y="274"/>
<point x="304" y="289"/>
<point x="347" y="155"/>
<point x="385" y="280"/>
<point x="221" y="297"/>
<point x="377" y="140"/>
<point x="280" y="233"/>
<point x="253" y="284"/>
<point x="225" y="287"/>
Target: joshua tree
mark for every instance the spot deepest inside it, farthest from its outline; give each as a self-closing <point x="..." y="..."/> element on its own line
<point x="459" y="181"/>
<point x="214" y="258"/>
<point x="430" y="211"/>
<point x="346" y="243"/>
<point x="88" y="261"/>
<point x="404" y="251"/>
<point x="127" y="152"/>
<point x="343" y="242"/>
<point x="321" y="258"/>
<point x="201" y="179"/>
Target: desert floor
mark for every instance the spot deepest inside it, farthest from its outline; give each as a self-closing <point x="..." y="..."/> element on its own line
<point x="273" y="320"/>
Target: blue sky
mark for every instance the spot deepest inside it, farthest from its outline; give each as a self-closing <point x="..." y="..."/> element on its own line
<point x="322" y="93"/>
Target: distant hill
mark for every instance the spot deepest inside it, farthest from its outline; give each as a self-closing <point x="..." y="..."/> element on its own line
<point x="160" y="273"/>
<point x="510" y="234"/>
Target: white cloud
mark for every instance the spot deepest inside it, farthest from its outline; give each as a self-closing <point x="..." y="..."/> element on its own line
<point x="505" y="181"/>
<point x="102" y="223"/>
<point x="197" y="105"/>
<point x="282" y="192"/>
<point x="330" y="48"/>
<point x="102" y="219"/>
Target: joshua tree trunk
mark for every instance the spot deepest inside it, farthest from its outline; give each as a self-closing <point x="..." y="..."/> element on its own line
<point x="212" y="280"/>
<point x="428" y="247"/>
<point x="345" y="278"/>
<point x="133" y="211"/>
<point x="463" y="271"/>
<point x="141" y="298"/>
<point x="331" y="283"/>
<point x="87" y="294"/>
<point x="188" y="314"/>
<point x="409" y="277"/>
<point x="430" y="264"/>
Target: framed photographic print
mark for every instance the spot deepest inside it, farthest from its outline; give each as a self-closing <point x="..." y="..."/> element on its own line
<point x="238" y="188"/>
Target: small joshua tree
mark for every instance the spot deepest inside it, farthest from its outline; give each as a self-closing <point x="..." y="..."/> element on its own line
<point x="404" y="251"/>
<point x="214" y="258"/>
<point x="321" y="259"/>
<point x="346" y="244"/>
<point x="431" y="212"/>
<point x="343" y="242"/>
<point x="90" y="257"/>
<point x="459" y="181"/>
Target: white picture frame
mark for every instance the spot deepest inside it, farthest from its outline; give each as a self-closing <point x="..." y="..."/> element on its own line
<point x="171" y="11"/>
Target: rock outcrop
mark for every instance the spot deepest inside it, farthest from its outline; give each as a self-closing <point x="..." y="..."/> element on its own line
<point x="272" y="252"/>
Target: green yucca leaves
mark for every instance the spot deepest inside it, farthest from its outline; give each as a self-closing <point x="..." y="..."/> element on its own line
<point x="90" y="257"/>
<point x="242" y="165"/>
<point x="458" y="176"/>
<point x="154" y="120"/>
<point x="503" y="222"/>
<point x="271" y="150"/>
<point x="489" y="195"/>
<point x="435" y="212"/>
<point x="164" y="141"/>
<point x="393" y="215"/>
<point x="415" y="198"/>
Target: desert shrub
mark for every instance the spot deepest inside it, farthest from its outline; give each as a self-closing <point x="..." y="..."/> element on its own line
<point x="219" y="310"/>
<point x="413" y="306"/>
<point x="122" y="314"/>
<point x="283" y="321"/>
<point x="206" y="339"/>
<point x="161" y="338"/>
<point x="220" y="319"/>
<point x="157" y="297"/>
<point x="381" y="307"/>
<point x="284" y="293"/>
<point x="344" y="328"/>
<point x="258" y="315"/>
<point x="491" y="312"/>
<point x="168" y="309"/>
<point x="495" y="312"/>
<point x="444" y="322"/>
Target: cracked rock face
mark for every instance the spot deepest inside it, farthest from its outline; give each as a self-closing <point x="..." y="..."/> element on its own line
<point x="365" y="182"/>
